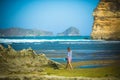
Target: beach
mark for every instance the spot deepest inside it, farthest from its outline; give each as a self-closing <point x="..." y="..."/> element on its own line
<point x="43" y="58"/>
<point x="27" y="65"/>
<point x="111" y="70"/>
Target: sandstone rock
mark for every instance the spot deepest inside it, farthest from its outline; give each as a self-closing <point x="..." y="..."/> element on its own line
<point x="56" y="65"/>
<point x="1" y="48"/>
<point x="107" y="20"/>
<point x="24" y="61"/>
<point x="11" y="51"/>
<point x="27" y="52"/>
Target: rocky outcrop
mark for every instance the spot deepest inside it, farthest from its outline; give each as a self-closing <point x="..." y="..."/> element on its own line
<point x="24" y="32"/>
<point x="72" y="31"/>
<point x="24" y="61"/>
<point x="107" y="20"/>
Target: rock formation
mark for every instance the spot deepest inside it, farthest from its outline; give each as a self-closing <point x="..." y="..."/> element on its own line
<point x="24" y="61"/>
<point x="107" y="20"/>
<point x="72" y="31"/>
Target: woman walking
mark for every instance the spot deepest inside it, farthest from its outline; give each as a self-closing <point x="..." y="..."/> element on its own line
<point x="69" y="59"/>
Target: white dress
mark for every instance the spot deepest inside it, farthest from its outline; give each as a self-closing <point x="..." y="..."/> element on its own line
<point x="69" y="56"/>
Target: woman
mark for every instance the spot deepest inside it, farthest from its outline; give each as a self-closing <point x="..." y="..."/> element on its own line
<point x="69" y="59"/>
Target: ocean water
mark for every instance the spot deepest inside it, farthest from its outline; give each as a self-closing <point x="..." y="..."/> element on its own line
<point x="55" y="47"/>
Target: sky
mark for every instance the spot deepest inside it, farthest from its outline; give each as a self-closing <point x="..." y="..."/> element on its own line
<point x="49" y="15"/>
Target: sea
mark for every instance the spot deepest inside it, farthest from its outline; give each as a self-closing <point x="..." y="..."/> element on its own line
<point x="55" y="47"/>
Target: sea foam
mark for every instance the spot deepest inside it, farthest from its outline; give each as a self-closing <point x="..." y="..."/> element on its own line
<point x="41" y="40"/>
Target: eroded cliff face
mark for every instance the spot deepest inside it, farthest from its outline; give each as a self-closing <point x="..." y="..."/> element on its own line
<point x="107" y="20"/>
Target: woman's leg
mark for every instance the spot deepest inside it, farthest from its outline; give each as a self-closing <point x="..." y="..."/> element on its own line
<point x="69" y="64"/>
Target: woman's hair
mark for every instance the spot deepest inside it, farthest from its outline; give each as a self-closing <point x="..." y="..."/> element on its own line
<point x="68" y="48"/>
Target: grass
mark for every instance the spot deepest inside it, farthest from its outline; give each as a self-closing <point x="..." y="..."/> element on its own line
<point x="109" y="71"/>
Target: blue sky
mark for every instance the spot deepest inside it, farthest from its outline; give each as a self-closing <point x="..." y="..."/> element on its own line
<point x="50" y="15"/>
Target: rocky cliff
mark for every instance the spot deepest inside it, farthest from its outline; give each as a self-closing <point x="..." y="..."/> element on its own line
<point x="24" y="32"/>
<point x="107" y="20"/>
<point x="72" y="31"/>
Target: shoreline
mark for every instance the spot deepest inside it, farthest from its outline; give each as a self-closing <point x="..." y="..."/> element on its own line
<point x="111" y="70"/>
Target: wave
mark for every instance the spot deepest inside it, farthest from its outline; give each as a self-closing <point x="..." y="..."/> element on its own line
<point x="90" y="42"/>
<point x="40" y="40"/>
<point x="61" y="41"/>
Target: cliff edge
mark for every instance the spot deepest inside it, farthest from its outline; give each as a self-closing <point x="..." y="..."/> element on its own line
<point x="107" y="20"/>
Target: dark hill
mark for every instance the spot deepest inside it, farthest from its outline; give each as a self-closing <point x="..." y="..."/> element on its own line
<point x="72" y="31"/>
<point x="23" y="32"/>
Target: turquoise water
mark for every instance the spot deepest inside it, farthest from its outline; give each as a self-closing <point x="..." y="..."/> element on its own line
<point x="59" y="43"/>
<point x="55" y="47"/>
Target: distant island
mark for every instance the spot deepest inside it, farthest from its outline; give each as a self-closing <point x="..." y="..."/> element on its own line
<point x="72" y="31"/>
<point x="24" y="32"/>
